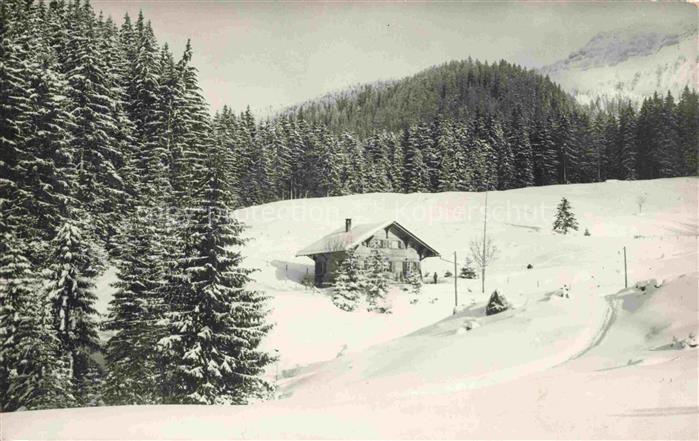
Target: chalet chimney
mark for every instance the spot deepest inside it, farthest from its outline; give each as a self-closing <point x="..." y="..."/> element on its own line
<point x="348" y="225"/>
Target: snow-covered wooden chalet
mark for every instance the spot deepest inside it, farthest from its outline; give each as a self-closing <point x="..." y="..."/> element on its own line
<point x="403" y="250"/>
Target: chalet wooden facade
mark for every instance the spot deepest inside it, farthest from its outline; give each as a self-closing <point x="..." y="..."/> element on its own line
<point x="402" y="250"/>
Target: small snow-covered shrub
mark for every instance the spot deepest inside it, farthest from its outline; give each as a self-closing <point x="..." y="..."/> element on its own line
<point x="497" y="303"/>
<point x="308" y="281"/>
<point x="467" y="271"/>
<point x="587" y="232"/>
<point x="448" y="273"/>
<point x="530" y="266"/>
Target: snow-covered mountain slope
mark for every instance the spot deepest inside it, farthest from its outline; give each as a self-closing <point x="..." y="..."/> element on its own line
<point x="598" y="365"/>
<point x="630" y="63"/>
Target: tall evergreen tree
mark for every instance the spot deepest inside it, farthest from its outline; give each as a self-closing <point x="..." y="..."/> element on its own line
<point x="14" y="101"/>
<point x="416" y="176"/>
<point x="353" y="172"/>
<point x="626" y="144"/>
<point x="47" y="160"/>
<point x="545" y="158"/>
<point x="215" y="323"/>
<point x="91" y="102"/>
<point x="71" y="276"/>
<point x="688" y="131"/>
<point x="518" y="138"/>
<point x="376" y="282"/>
<point x="135" y="312"/>
<point x="34" y="372"/>
<point x="349" y="283"/>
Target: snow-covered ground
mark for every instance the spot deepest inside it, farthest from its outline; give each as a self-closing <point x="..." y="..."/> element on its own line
<point x="601" y="364"/>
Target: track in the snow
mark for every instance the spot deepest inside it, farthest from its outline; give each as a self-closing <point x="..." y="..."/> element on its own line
<point x="609" y="319"/>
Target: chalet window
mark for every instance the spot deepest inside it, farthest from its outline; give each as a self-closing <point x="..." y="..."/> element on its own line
<point x="391" y="266"/>
<point x="401" y="245"/>
<point x="378" y="243"/>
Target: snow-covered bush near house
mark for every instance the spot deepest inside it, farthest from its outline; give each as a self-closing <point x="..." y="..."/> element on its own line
<point x="467" y="271"/>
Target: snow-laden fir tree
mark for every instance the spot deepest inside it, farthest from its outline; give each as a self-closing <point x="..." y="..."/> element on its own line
<point x="414" y="281"/>
<point x="522" y="170"/>
<point x="353" y="170"/>
<point x="71" y="283"/>
<point x="688" y="130"/>
<point x="15" y="288"/>
<point x="134" y="314"/>
<point x="565" y="220"/>
<point x="564" y="140"/>
<point x="349" y="283"/>
<point x="376" y="152"/>
<point x="415" y="173"/>
<point x="91" y="100"/>
<point x="626" y="144"/>
<point x="545" y="159"/>
<point x="34" y="371"/>
<point x="396" y="158"/>
<point x="48" y="170"/>
<point x="215" y="323"/>
<point x="14" y="88"/>
<point x="377" y="283"/>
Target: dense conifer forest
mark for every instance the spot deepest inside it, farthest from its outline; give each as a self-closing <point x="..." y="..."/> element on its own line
<point x="109" y="157"/>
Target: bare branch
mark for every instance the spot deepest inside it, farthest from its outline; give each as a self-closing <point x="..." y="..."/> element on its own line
<point x="483" y="256"/>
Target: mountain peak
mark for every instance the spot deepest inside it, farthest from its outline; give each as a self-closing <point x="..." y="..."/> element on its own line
<point x="632" y="62"/>
<point x="610" y="48"/>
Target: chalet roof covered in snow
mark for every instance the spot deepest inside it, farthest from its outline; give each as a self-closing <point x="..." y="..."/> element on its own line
<point x="342" y="240"/>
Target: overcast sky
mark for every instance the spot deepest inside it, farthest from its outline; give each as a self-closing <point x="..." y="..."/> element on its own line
<point x="271" y="55"/>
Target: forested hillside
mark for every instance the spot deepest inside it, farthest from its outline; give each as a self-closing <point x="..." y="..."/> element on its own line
<point x="460" y="126"/>
<point x="459" y="89"/>
<point x="107" y="158"/>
